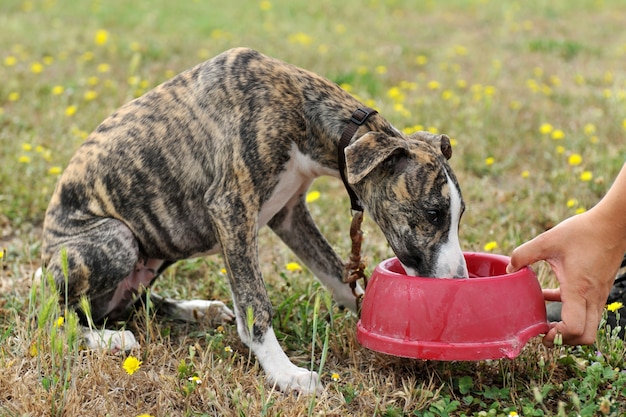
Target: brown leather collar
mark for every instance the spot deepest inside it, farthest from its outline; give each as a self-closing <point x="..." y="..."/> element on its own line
<point x="359" y="117"/>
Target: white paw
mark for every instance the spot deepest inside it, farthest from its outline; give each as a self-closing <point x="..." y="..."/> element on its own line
<point x="214" y="312"/>
<point x="296" y="379"/>
<point x="111" y="340"/>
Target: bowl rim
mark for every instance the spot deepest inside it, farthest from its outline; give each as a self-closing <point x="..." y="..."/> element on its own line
<point x="383" y="266"/>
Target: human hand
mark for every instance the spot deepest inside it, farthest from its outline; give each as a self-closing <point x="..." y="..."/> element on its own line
<point x="582" y="255"/>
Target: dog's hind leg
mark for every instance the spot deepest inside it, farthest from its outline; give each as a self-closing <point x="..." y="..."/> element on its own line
<point x="101" y="257"/>
<point x="295" y="226"/>
<point x="210" y="312"/>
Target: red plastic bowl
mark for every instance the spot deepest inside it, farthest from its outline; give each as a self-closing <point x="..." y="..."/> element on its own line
<point x="491" y="315"/>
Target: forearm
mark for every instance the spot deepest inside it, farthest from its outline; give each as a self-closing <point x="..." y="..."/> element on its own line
<point x="610" y="212"/>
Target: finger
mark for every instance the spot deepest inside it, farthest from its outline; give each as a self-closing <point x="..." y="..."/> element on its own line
<point x="526" y="254"/>
<point x="552" y="294"/>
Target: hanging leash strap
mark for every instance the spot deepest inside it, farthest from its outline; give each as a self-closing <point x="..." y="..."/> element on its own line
<point x="355" y="268"/>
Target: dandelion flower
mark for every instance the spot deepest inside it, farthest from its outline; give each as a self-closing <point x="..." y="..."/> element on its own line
<point x="615" y="306"/>
<point x="489" y="161"/>
<point x="144" y="415"/>
<point x="575" y="159"/>
<point x="525" y="173"/>
<point x="560" y="149"/>
<point x="27" y="147"/>
<point x="228" y="349"/>
<point x="14" y="96"/>
<point x="580" y="210"/>
<point x="23" y="159"/>
<point x="131" y="365"/>
<point x="586" y="176"/>
<point x="70" y="110"/>
<point x="572" y="202"/>
<point x="300" y="38"/>
<point x="60" y="321"/>
<point x="195" y="379"/>
<point x="101" y="37"/>
<point x="10" y="61"/>
<point x="545" y="128"/>
<point x="293" y="266"/>
<point x="55" y="170"/>
<point x="433" y="85"/>
<point x="421" y="60"/>
<point x="558" y="134"/>
<point x="624" y="124"/>
<point x="220" y="329"/>
<point x="381" y="69"/>
<point x="461" y="84"/>
<point x="589" y="129"/>
<point x="312" y="196"/>
<point x="57" y="90"/>
<point x="490" y="246"/>
<point x="90" y="95"/>
<point x="335" y="376"/>
<point x="36" y="68"/>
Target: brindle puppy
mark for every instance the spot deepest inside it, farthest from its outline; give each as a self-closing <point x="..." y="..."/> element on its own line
<point x="197" y="165"/>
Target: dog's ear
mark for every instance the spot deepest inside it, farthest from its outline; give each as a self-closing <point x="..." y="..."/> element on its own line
<point x="439" y="141"/>
<point x="370" y="151"/>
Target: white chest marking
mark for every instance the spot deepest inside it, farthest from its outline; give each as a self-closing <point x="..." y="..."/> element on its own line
<point x="299" y="173"/>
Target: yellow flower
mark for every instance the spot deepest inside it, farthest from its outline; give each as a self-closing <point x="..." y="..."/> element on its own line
<point x="312" y="196"/>
<point x="335" y="376"/>
<point x="293" y="266"/>
<point x="525" y="174"/>
<point x="265" y="5"/>
<point x="572" y="202"/>
<point x="131" y="365"/>
<point x="14" y="96"/>
<point x="144" y="415"/>
<point x="228" y="349"/>
<point x="545" y="128"/>
<point x="90" y="95"/>
<point x="461" y="84"/>
<point x="381" y="69"/>
<point x="70" y="110"/>
<point x="10" y="61"/>
<point x="421" y="60"/>
<point x="300" y="38"/>
<point x="490" y="246"/>
<point x="513" y="414"/>
<point x="575" y="159"/>
<point x="580" y="210"/>
<point x="24" y="159"/>
<point x="60" y="321"/>
<point x="560" y="149"/>
<point x="589" y="129"/>
<point x="36" y="68"/>
<point x="57" y="90"/>
<point x="195" y="379"/>
<point x="220" y="329"/>
<point x="433" y="85"/>
<point x="624" y="123"/>
<point x="489" y="161"/>
<point x="27" y="147"/>
<point x="614" y="306"/>
<point x="55" y="170"/>
<point x="101" y="37"/>
<point x="586" y="176"/>
<point x="558" y="134"/>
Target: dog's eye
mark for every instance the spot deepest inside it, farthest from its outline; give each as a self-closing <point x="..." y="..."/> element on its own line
<point x="434" y="216"/>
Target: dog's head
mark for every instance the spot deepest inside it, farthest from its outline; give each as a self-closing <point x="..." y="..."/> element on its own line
<point x="410" y="191"/>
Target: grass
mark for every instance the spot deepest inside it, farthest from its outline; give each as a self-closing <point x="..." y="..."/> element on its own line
<point x="533" y="94"/>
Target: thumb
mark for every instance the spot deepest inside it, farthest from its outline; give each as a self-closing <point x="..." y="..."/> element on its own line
<point x="527" y="254"/>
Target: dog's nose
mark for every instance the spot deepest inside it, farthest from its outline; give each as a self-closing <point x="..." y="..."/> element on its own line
<point x="461" y="271"/>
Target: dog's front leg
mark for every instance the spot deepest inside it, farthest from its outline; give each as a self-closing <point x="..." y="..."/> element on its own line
<point x="237" y="233"/>
<point x="295" y="226"/>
